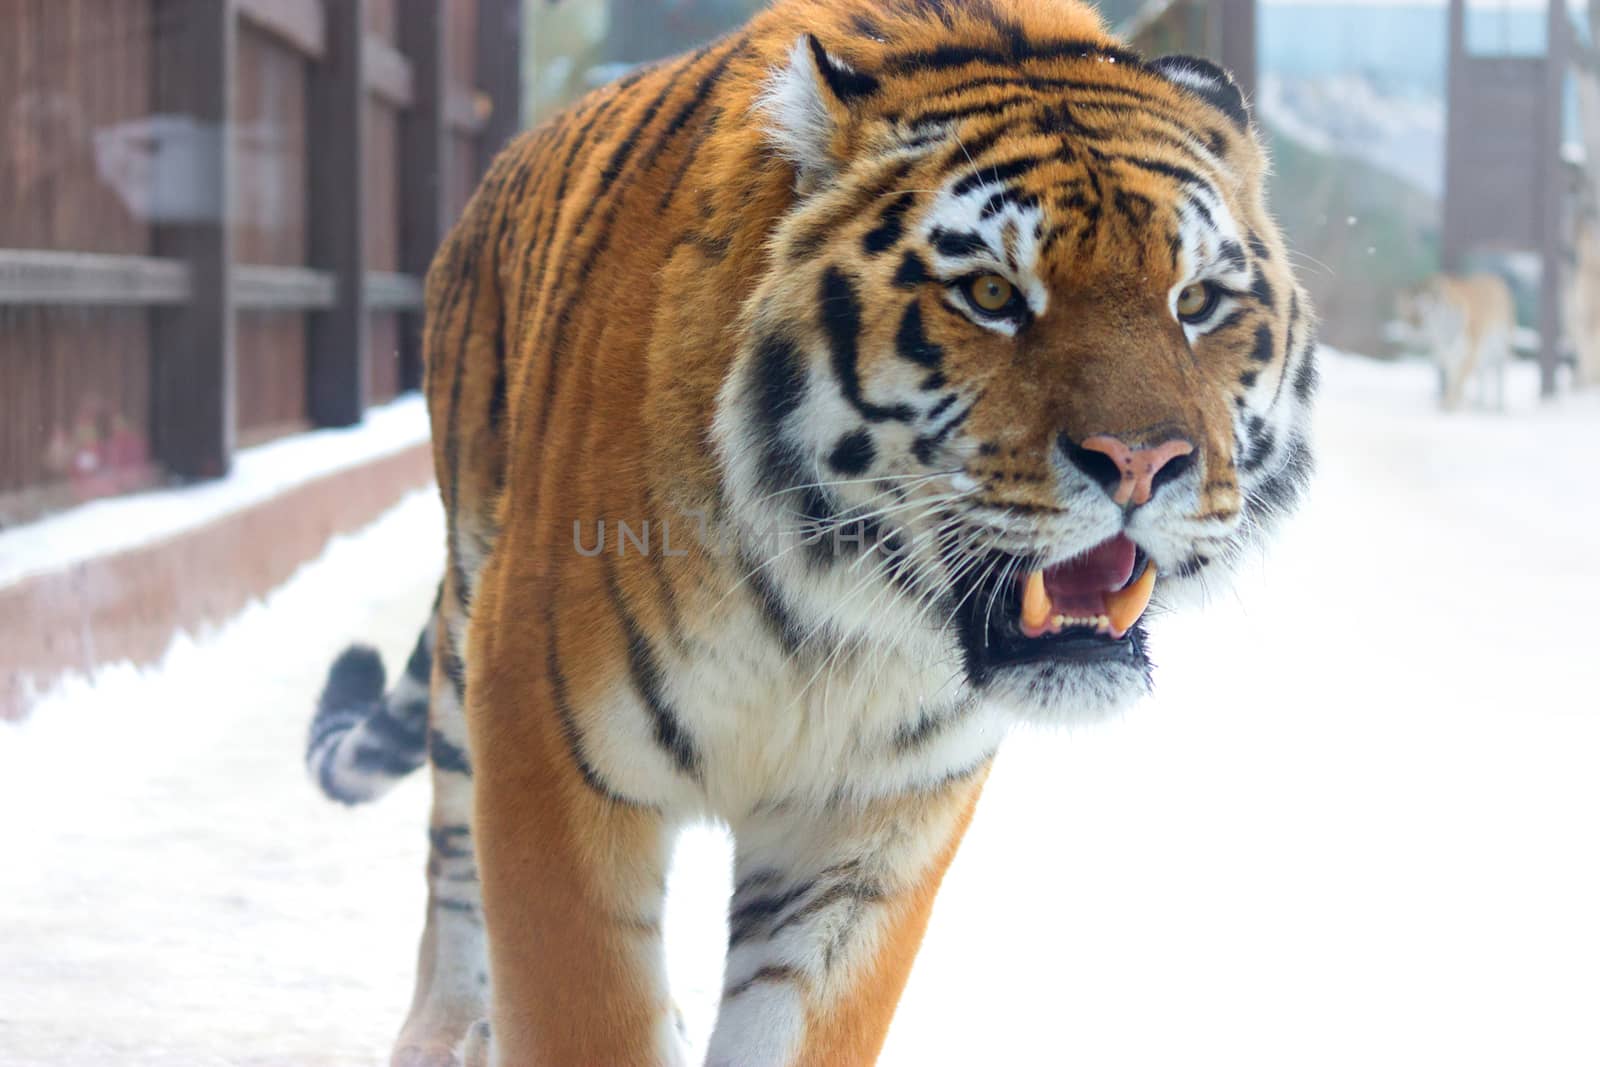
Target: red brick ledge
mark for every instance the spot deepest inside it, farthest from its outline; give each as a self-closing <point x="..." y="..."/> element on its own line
<point x="129" y="605"/>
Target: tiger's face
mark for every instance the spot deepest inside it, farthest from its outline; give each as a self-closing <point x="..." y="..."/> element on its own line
<point x="1030" y="358"/>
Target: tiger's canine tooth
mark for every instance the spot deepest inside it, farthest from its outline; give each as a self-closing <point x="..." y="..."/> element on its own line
<point x="1035" y="605"/>
<point x="1124" y="606"/>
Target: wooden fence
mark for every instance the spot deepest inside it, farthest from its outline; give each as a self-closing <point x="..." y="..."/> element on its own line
<point x="215" y="216"/>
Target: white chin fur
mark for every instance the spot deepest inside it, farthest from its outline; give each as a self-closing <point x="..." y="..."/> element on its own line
<point x="1067" y="694"/>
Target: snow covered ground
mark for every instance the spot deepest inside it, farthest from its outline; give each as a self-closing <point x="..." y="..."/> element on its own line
<point x="1359" y="823"/>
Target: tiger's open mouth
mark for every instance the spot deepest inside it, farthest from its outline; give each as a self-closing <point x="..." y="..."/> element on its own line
<point x="1085" y="609"/>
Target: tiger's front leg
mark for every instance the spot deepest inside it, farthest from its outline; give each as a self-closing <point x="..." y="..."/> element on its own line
<point x="828" y="913"/>
<point x="573" y="882"/>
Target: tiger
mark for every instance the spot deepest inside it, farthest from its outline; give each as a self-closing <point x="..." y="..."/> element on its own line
<point x="808" y="410"/>
<point x="1466" y="322"/>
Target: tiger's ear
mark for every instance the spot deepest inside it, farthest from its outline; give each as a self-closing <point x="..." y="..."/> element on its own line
<point x="1208" y="81"/>
<point x="805" y="103"/>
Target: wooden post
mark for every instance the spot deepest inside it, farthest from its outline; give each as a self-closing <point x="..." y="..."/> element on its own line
<point x="499" y="75"/>
<point x="337" y="371"/>
<point x="423" y="147"/>
<point x="1553" y="189"/>
<point x="192" y="392"/>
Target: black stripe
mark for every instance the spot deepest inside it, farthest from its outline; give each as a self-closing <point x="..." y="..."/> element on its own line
<point x="406" y="732"/>
<point x="817" y="232"/>
<point x="691" y="107"/>
<point x="926" y="447"/>
<point x="390" y="762"/>
<point x="624" y="149"/>
<point x="447" y="755"/>
<point x="847" y="85"/>
<point x="992" y="206"/>
<point x="455" y="670"/>
<point x="619" y="157"/>
<point x="665" y="591"/>
<point x="972" y="149"/>
<point x="997" y="174"/>
<point x="1040" y="83"/>
<point x="774" y="611"/>
<point x="750" y="917"/>
<point x="553" y="346"/>
<point x="1233" y="255"/>
<point x="1261" y="289"/>
<point x="670" y="733"/>
<point x="891" y="225"/>
<point x="939" y="116"/>
<point x="942" y="406"/>
<point x="1306" y="376"/>
<point x="911" y="273"/>
<point x="1281" y="489"/>
<point x="569" y="722"/>
<point x="912" y="736"/>
<point x="779" y="385"/>
<point x="840" y="315"/>
<point x="1014" y="49"/>
<point x="853" y="453"/>
<point x="958" y="245"/>
<point x="1168" y="170"/>
<point x="858" y="893"/>
<point x="911" y="340"/>
<point x="420" y="665"/>
<point x="1137" y="208"/>
<point x="779" y="380"/>
<point x="442" y="841"/>
<point x="769" y="973"/>
<point x="1264" y="349"/>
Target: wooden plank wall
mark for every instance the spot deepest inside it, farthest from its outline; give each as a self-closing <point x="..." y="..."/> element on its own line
<point x="271" y="228"/>
<point x="99" y="117"/>
<point x="70" y="376"/>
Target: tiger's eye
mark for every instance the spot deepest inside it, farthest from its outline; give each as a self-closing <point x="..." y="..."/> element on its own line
<point x="1194" y="301"/>
<point x="991" y="292"/>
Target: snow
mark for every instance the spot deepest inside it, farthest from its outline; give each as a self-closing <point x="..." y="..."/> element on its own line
<point x="1358" y="823"/>
<point x="258" y="474"/>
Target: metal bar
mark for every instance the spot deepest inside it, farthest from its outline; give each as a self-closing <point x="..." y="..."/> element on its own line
<point x="1236" y="42"/>
<point x="498" y="74"/>
<point x="84" y="278"/>
<point x="337" y="366"/>
<point x="194" y="421"/>
<point x="1452" y="250"/>
<point x="423" y="144"/>
<point x="388" y="73"/>
<point x="1552" y="182"/>
<point x="298" y="23"/>
<point x="393" y="292"/>
<point x="284" y="289"/>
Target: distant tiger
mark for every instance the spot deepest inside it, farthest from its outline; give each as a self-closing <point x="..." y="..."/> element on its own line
<point x="1467" y="323"/>
<point x="806" y="411"/>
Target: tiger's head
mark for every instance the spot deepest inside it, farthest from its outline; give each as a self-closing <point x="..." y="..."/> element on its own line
<point x="1030" y="355"/>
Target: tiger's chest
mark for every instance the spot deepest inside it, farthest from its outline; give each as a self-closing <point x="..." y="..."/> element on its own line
<point x="759" y="722"/>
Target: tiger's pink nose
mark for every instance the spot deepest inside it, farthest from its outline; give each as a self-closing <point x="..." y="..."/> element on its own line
<point x="1138" y="471"/>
